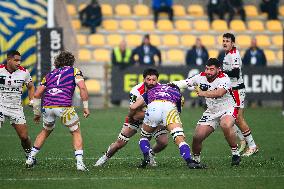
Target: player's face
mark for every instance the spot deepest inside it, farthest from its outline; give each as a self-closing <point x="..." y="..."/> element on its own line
<point x="150" y="81"/>
<point x="227" y="44"/>
<point x="14" y="62"/>
<point x="211" y="72"/>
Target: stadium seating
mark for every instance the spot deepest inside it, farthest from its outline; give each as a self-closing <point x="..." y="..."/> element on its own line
<point x="238" y="26"/>
<point x="165" y="25"/>
<point x="106" y="10"/>
<point x="102" y="55"/>
<point x="93" y="86"/>
<point x="155" y="40"/>
<point x="270" y="56"/>
<point x="280" y="56"/>
<point x="251" y="10"/>
<point x="71" y="9"/>
<point x="208" y="40"/>
<point x="114" y="39"/>
<point x="219" y="25"/>
<point x="146" y="25"/>
<point x="201" y="25"/>
<point x="82" y="39"/>
<point x="110" y="25"/>
<point x="277" y="40"/>
<point x="97" y="40"/>
<point x="84" y="55"/>
<point x="179" y="10"/>
<point x="195" y="10"/>
<point x="263" y="40"/>
<point x="281" y="10"/>
<point x="171" y="40"/>
<point x="183" y="25"/>
<point x="187" y="40"/>
<point x="141" y="10"/>
<point x="213" y="53"/>
<point x="76" y="24"/>
<point x="176" y="57"/>
<point x="256" y="25"/>
<point x="133" y="40"/>
<point x="82" y="6"/>
<point x="122" y="10"/>
<point x="128" y="25"/>
<point x="274" y="26"/>
<point x="243" y="41"/>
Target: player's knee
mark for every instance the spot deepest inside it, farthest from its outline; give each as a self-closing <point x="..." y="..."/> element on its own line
<point x="74" y="127"/>
<point x="177" y="133"/>
<point x="24" y="138"/>
<point x="49" y="126"/>
<point x="122" y="140"/>
<point x="162" y="140"/>
<point x="146" y="134"/>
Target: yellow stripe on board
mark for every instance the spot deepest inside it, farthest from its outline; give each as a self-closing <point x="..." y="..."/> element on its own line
<point x="41" y="11"/>
<point x="42" y="2"/>
<point x="31" y="60"/>
<point x="40" y="22"/>
<point x="15" y="39"/>
<point x="14" y="7"/>
<point x="4" y="29"/>
<point x="27" y="44"/>
<point x="6" y="17"/>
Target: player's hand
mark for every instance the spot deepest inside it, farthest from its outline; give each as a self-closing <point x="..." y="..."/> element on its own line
<point x="31" y="103"/>
<point x="37" y="119"/>
<point x="86" y="112"/>
<point x="198" y="91"/>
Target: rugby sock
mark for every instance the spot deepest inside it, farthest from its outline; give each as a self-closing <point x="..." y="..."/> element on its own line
<point x="249" y="139"/>
<point x="196" y="157"/>
<point x="234" y="150"/>
<point x="79" y="155"/>
<point x="144" y="146"/>
<point x="184" y="151"/>
<point x="34" y="151"/>
<point x="27" y="152"/>
<point x="239" y="133"/>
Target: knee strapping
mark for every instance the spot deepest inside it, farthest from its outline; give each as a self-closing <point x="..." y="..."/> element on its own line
<point x="159" y="132"/>
<point x="177" y="132"/>
<point x="74" y="127"/>
<point x="49" y="126"/>
<point x="145" y="133"/>
<point x="123" y="137"/>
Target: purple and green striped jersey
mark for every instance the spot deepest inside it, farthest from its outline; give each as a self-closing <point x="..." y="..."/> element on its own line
<point x="60" y="85"/>
<point x="163" y="92"/>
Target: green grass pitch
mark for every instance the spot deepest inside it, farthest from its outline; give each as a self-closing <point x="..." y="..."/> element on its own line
<point x="56" y="164"/>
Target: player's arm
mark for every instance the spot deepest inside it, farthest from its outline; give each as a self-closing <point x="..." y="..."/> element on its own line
<point x="235" y="72"/>
<point x="134" y="108"/>
<point x="189" y="82"/>
<point x="219" y="92"/>
<point x="83" y="91"/>
<point x="31" y="91"/>
<point x="235" y="66"/>
<point x="37" y="101"/>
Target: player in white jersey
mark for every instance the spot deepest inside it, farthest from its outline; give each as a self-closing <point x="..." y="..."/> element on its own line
<point x="215" y="86"/>
<point x="232" y="66"/>
<point x="128" y="130"/>
<point x="12" y="78"/>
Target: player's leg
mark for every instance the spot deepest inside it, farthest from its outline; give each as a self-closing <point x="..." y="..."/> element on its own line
<point x="252" y="148"/>
<point x="127" y="131"/>
<point x="144" y="143"/>
<point x="22" y="131"/>
<point x="242" y="124"/>
<point x="241" y="137"/>
<point x="48" y="126"/>
<point x="226" y="124"/>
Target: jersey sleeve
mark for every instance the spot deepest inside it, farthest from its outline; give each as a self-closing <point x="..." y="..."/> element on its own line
<point x="235" y="60"/>
<point x="224" y="83"/>
<point x="28" y="78"/>
<point x="187" y="83"/>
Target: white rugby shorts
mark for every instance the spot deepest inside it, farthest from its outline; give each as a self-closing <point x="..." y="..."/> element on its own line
<point x="16" y="115"/>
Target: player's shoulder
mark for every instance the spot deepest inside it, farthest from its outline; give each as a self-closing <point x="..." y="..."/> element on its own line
<point x="21" y="68"/>
<point x="138" y="89"/>
<point x="234" y="52"/>
<point x="2" y="66"/>
<point x="202" y="74"/>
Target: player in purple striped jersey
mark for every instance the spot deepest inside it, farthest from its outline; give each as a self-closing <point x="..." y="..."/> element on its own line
<point x="163" y="108"/>
<point x="58" y="88"/>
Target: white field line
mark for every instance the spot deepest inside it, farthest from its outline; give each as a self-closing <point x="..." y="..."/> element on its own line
<point x="183" y="177"/>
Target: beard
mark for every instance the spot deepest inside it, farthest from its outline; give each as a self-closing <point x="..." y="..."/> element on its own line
<point x="149" y="86"/>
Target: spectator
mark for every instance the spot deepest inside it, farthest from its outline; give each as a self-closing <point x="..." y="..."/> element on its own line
<point x="162" y="6"/>
<point x="91" y="16"/>
<point x="146" y="53"/>
<point x="198" y="55"/>
<point x="254" y="56"/>
<point x="235" y="7"/>
<point x="271" y="8"/>
<point x="215" y="7"/>
<point x="121" y="56"/>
